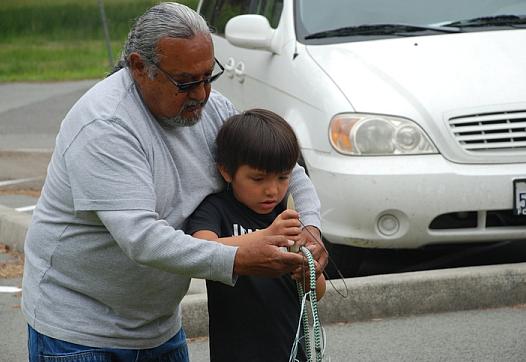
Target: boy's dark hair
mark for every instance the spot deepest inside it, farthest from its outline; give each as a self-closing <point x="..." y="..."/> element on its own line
<point x="258" y="138"/>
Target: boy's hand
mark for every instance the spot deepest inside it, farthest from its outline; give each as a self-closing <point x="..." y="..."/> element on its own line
<point x="286" y="224"/>
<point x="311" y="238"/>
<point x="264" y="258"/>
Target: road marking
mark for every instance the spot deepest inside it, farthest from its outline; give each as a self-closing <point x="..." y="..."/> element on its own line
<point x="26" y="208"/>
<point x="19" y="181"/>
<point x="10" y="289"/>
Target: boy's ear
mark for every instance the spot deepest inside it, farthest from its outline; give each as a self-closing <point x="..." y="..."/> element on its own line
<point x="224" y="173"/>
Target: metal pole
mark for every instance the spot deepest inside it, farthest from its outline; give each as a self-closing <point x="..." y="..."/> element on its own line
<point x="106" y="32"/>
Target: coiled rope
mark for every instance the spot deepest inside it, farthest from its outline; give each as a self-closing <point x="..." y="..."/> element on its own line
<point x="319" y="347"/>
<point x="304" y="317"/>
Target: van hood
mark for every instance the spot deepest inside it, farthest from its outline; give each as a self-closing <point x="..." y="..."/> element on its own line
<point x="430" y="79"/>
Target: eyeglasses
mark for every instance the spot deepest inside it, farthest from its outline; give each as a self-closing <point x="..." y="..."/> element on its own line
<point x="189" y="86"/>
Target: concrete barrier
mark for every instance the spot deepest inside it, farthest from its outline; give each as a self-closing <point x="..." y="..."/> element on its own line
<point x="446" y="290"/>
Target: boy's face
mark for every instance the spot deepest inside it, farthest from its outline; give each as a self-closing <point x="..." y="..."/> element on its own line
<point x="256" y="189"/>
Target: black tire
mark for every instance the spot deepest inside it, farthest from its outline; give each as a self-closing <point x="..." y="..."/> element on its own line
<point x="344" y="259"/>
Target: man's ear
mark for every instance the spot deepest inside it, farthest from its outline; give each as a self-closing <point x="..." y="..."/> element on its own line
<point x="137" y="66"/>
<point x="224" y="173"/>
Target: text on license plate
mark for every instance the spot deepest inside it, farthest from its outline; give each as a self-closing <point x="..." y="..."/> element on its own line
<point x="519" y="197"/>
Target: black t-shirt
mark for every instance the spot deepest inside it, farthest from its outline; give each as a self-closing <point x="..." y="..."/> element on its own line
<point x="256" y="320"/>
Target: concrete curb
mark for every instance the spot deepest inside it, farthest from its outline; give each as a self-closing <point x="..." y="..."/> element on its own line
<point x="380" y="296"/>
<point x="445" y="290"/>
<point x="399" y="295"/>
<point x="27" y="152"/>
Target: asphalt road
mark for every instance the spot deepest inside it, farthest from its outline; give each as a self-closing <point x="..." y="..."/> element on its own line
<point x="30" y="117"/>
<point x="30" y="113"/>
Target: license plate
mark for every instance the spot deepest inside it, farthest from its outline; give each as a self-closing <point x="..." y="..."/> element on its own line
<point x="519" y="197"/>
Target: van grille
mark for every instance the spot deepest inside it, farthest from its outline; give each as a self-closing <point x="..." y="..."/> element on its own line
<point x="477" y="219"/>
<point x="490" y="131"/>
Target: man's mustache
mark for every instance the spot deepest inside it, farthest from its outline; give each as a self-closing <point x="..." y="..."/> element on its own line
<point x="191" y="103"/>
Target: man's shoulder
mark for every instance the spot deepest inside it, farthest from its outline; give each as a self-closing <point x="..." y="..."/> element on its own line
<point x="109" y="107"/>
<point x="107" y="99"/>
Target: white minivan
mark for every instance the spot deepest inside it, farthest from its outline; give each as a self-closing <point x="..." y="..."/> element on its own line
<point x="411" y="115"/>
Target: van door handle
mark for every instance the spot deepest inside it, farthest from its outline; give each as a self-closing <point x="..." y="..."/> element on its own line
<point x="239" y="71"/>
<point x="229" y="67"/>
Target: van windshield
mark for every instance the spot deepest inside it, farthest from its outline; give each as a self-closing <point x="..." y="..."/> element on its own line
<point x="334" y="21"/>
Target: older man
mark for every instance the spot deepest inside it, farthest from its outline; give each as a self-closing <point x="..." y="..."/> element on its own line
<point x="106" y="262"/>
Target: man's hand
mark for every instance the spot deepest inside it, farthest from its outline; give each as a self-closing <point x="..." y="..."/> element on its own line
<point x="264" y="258"/>
<point x="312" y="239"/>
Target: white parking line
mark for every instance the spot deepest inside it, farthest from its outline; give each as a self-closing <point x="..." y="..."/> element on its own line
<point x="25" y="208"/>
<point x="10" y="289"/>
<point x="19" y="181"/>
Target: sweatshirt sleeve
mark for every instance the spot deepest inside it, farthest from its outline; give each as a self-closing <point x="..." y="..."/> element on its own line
<point x="149" y="241"/>
<point x="305" y="197"/>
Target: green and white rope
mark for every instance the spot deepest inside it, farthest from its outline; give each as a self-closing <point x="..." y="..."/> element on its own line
<point x="304" y="318"/>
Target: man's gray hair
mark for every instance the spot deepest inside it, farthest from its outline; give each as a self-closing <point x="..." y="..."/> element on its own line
<point x="167" y="19"/>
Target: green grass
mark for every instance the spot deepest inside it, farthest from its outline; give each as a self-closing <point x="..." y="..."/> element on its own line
<point x="54" y="60"/>
<point x="50" y="40"/>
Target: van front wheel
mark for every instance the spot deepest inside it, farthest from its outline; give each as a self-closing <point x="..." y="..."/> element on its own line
<point x="344" y="259"/>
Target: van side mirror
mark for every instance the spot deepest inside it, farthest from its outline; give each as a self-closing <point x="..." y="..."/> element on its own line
<point x="250" y="31"/>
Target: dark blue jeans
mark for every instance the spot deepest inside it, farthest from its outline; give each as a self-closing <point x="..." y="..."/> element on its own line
<point x="46" y="349"/>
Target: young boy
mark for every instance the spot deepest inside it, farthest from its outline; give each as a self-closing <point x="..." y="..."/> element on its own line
<point x="256" y="320"/>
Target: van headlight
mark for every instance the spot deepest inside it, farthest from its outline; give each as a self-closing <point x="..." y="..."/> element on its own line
<point x="374" y="134"/>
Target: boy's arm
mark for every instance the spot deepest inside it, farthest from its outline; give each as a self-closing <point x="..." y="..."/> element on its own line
<point x="320" y="286"/>
<point x="285" y="224"/>
<point x="254" y="257"/>
<point x="237" y="240"/>
<point x="232" y="240"/>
